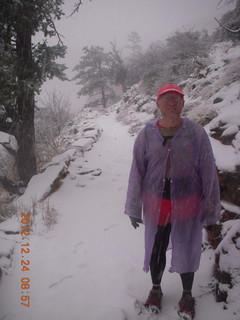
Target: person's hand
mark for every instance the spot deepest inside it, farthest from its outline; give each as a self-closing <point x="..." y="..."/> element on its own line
<point x="209" y="228"/>
<point x="135" y="222"/>
<point x="210" y="234"/>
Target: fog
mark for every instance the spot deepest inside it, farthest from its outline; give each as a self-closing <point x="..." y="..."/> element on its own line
<point x="101" y="21"/>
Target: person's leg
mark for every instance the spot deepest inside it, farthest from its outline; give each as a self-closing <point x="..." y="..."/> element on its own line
<point x="187" y="283"/>
<point x="187" y="302"/>
<point x="158" y="258"/>
<point x="157" y="266"/>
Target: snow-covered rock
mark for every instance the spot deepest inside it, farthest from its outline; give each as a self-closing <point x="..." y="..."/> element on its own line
<point x="8" y="140"/>
<point x="8" y="146"/>
<point x="92" y="133"/>
<point x="6" y="253"/>
<point x="83" y="144"/>
<point x="6" y="248"/>
<point x="81" y="127"/>
<point x="64" y="157"/>
<point x="42" y="185"/>
<point x="135" y="109"/>
<point x="10" y="226"/>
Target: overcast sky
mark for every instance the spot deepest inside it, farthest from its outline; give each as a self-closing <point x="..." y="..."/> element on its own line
<point x="100" y="21"/>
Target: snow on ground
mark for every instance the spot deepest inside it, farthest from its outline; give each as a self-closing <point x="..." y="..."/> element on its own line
<point x="90" y="265"/>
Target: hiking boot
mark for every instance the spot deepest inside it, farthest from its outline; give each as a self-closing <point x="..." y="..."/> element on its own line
<point x="153" y="302"/>
<point x="187" y="307"/>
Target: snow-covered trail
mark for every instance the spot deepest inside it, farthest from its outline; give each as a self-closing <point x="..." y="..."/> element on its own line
<point x="79" y="270"/>
<point x="89" y="267"/>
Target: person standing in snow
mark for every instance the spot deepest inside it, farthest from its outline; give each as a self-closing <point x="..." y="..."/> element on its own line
<point x="173" y="189"/>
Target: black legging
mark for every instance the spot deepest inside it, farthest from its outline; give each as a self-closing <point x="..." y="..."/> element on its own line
<point x="158" y="259"/>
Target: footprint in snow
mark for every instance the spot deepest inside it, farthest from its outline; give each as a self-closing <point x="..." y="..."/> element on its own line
<point x="110" y="227"/>
<point x="79" y="247"/>
<point x="60" y="281"/>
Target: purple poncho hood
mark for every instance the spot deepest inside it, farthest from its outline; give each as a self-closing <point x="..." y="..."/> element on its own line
<point x="194" y="190"/>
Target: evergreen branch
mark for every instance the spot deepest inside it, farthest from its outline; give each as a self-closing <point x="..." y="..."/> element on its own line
<point x="53" y="26"/>
<point x="77" y="6"/>
<point x="51" y="23"/>
<point x="59" y="36"/>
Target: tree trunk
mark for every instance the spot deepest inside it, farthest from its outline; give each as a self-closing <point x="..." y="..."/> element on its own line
<point x="104" y="99"/>
<point x="123" y="85"/>
<point x="26" y="160"/>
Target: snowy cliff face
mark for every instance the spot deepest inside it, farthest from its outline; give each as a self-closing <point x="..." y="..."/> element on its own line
<point x="212" y="98"/>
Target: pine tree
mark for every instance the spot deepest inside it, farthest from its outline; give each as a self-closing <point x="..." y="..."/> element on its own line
<point x="134" y="65"/>
<point x="134" y="41"/>
<point x="93" y="75"/>
<point x="154" y="60"/>
<point x="24" y="66"/>
<point x="117" y="67"/>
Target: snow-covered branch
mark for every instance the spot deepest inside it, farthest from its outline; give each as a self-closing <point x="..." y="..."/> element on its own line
<point x="226" y="28"/>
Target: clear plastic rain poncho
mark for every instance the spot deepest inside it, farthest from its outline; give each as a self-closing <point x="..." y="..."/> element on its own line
<point x="194" y="190"/>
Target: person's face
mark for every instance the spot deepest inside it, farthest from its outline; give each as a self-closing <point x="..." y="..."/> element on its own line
<point x="170" y="104"/>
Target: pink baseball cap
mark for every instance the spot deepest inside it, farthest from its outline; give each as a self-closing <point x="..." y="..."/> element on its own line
<point x="170" y="88"/>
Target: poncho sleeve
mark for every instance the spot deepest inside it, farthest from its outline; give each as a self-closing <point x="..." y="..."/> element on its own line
<point x="211" y="209"/>
<point x="133" y="206"/>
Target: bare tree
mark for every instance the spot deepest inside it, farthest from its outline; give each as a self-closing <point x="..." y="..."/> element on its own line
<point x="226" y="28"/>
<point x="51" y="118"/>
<point x="57" y="106"/>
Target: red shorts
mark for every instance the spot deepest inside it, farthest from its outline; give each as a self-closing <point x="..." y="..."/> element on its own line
<point x="165" y="212"/>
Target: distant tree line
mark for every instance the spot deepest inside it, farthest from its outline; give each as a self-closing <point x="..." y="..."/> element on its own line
<point x="26" y="65"/>
<point x="170" y="61"/>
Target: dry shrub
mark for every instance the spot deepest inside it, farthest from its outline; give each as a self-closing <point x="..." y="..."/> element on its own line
<point x="49" y="215"/>
<point x="7" y="208"/>
<point x="43" y="215"/>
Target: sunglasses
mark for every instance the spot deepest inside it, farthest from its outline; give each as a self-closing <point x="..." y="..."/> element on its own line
<point x="170" y="97"/>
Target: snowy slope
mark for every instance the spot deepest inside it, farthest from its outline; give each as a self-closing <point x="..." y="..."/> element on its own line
<point x="217" y="91"/>
<point x="90" y="265"/>
<point x="212" y="98"/>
